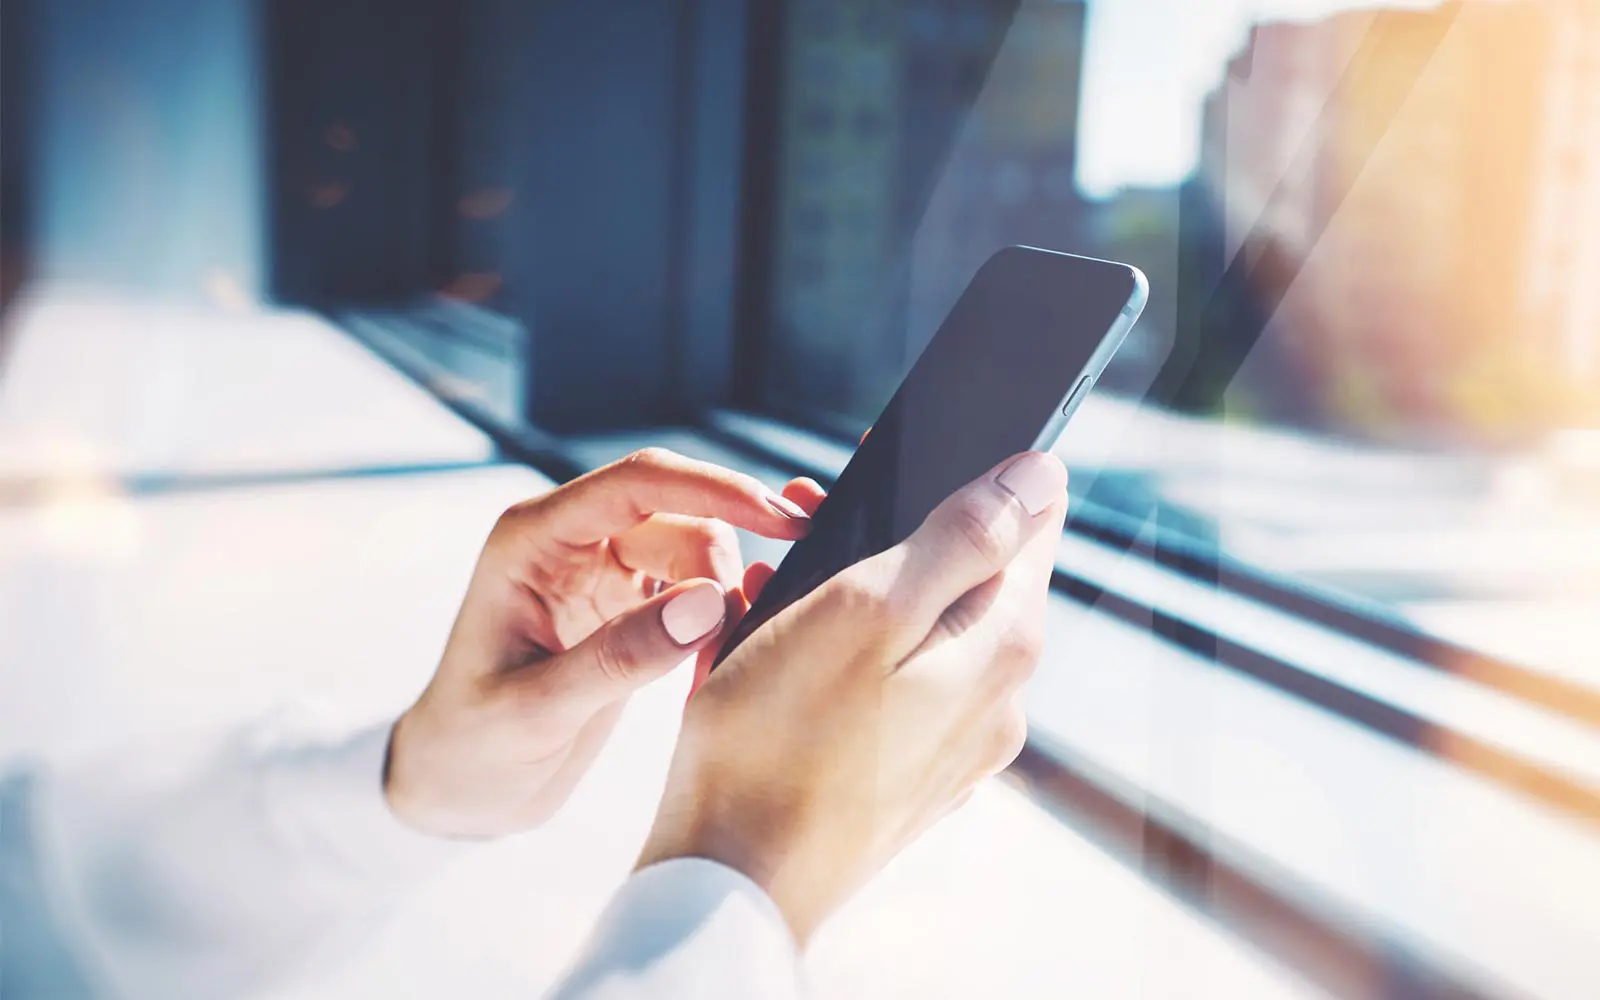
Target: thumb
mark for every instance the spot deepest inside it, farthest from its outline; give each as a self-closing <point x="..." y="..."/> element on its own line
<point x="636" y="647"/>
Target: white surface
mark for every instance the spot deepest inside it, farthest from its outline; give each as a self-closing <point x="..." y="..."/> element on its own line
<point x="97" y="387"/>
<point x="1553" y="741"/>
<point x="1490" y="884"/>
<point x="149" y="616"/>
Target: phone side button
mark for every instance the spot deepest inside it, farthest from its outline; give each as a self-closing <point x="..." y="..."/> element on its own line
<point x="1077" y="394"/>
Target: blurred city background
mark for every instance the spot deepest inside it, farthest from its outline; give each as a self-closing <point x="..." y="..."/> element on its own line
<point x="1373" y="249"/>
<point x="1324" y="678"/>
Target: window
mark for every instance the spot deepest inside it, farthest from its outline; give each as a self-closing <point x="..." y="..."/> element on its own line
<point x="1337" y="408"/>
<point x="1397" y="361"/>
<point x="1324" y="651"/>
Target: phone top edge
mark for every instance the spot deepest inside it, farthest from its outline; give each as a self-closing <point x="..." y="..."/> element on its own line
<point x="1141" y="294"/>
<point x="1137" y="298"/>
<point x="1139" y="275"/>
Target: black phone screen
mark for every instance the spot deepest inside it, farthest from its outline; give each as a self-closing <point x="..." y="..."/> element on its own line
<point x="1022" y="335"/>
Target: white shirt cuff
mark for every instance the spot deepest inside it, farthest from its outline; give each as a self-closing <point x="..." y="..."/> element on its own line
<point x="335" y="789"/>
<point x="688" y="927"/>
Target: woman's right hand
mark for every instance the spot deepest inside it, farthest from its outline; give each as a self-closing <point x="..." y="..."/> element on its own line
<point x="866" y="711"/>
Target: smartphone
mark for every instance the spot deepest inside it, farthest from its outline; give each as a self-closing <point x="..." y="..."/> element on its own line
<point x="1016" y="356"/>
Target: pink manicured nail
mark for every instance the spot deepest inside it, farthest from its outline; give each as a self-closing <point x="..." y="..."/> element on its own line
<point x="694" y="614"/>
<point x="1037" y="480"/>
<point x="788" y="508"/>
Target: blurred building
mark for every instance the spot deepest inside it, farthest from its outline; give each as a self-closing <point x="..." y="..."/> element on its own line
<point x="950" y="126"/>
<point x="1566" y="217"/>
<point x="15" y="133"/>
<point x="1431" y="194"/>
<point x="1140" y="226"/>
<point x="839" y="168"/>
<point x="1010" y="175"/>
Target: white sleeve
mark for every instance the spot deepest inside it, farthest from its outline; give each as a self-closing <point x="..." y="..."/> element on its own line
<point x="687" y="928"/>
<point x="219" y="870"/>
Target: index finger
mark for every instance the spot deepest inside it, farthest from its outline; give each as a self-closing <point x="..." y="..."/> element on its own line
<point x="619" y="496"/>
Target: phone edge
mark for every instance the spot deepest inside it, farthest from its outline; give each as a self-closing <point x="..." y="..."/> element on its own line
<point x="1113" y="339"/>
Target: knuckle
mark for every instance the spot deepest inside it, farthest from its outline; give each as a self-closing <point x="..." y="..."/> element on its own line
<point x="618" y="659"/>
<point x="1014" y="663"/>
<point x="717" y="536"/>
<point x="972" y="521"/>
<point x="512" y="528"/>
<point x="652" y="457"/>
<point x="713" y="551"/>
<point x="515" y="514"/>
<point x="504" y="525"/>
<point x="874" y="601"/>
<point x="863" y="605"/>
<point x="1022" y="643"/>
<point x="858" y="595"/>
<point x="1007" y="739"/>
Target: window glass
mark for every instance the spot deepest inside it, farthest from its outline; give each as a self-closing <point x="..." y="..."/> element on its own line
<point x="1371" y="359"/>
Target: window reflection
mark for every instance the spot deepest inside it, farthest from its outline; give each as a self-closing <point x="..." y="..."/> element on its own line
<point x="1370" y="327"/>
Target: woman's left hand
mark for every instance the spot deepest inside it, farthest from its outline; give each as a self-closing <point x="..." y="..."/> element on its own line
<point x="580" y="597"/>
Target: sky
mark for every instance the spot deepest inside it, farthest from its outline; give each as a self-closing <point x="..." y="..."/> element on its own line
<point x="1149" y="65"/>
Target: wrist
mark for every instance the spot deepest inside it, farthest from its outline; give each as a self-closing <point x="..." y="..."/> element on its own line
<point x="403" y="787"/>
<point x="757" y="854"/>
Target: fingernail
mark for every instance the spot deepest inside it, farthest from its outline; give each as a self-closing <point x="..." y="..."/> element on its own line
<point x="788" y="508"/>
<point x="1035" y="479"/>
<point x="694" y="614"/>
